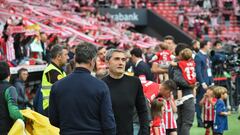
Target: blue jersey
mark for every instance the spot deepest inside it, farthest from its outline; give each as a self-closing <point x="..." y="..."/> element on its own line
<point x="220" y="121"/>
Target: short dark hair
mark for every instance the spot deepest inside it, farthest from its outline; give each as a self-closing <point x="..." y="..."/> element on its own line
<point x="170" y="85"/>
<point x="73" y="47"/>
<point x="100" y="48"/>
<point x="20" y="71"/>
<point x="56" y="50"/>
<point x="85" y="52"/>
<point x="216" y="43"/>
<point x="180" y="47"/>
<point x="4" y="70"/>
<point x="169" y="37"/>
<point x="203" y="43"/>
<point x="136" y="52"/>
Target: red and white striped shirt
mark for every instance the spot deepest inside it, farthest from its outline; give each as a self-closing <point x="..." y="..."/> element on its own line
<point x="158" y="127"/>
<point x="209" y="110"/>
<point x="169" y="120"/>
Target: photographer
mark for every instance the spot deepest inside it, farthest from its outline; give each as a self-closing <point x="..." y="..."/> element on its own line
<point x="218" y="59"/>
<point x="237" y="70"/>
<point x="221" y="65"/>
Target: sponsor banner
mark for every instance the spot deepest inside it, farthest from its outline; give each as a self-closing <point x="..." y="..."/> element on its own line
<point x="135" y="16"/>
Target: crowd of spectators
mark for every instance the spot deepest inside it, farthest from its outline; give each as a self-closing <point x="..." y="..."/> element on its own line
<point x="29" y="32"/>
<point x="206" y="19"/>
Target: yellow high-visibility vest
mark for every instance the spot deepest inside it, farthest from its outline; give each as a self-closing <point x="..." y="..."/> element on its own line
<point x="46" y="86"/>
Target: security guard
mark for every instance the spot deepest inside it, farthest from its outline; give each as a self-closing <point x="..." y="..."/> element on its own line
<point x="53" y="73"/>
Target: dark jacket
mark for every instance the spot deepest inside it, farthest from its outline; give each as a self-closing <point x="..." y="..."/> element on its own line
<point x="8" y="107"/>
<point x="143" y="68"/>
<point x="218" y="60"/>
<point x="203" y="63"/>
<point x="175" y="74"/>
<point x="22" y="97"/>
<point x="80" y="104"/>
<point x="5" y="120"/>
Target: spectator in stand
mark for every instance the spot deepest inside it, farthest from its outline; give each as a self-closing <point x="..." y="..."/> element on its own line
<point x="214" y="3"/>
<point x="43" y="41"/>
<point x="53" y="72"/>
<point x="205" y="30"/>
<point x="19" y="84"/>
<point x="190" y="16"/>
<point x="198" y="22"/>
<point x="1" y="48"/>
<point x="204" y="76"/>
<point x="101" y="67"/>
<point x="237" y="13"/>
<point x="227" y="4"/>
<point x="226" y="16"/>
<point x="80" y="104"/>
<point x="207" y="4"/>
<point x="181" y="16"/>
<point x="200" y="3"/>
<point x="126" y="94"/>
<point x="8" y="101"/>
<point x="52" y="40"/>
<point x="140" y="67"/>
<point x="195" y="47"/>
<point x="214" y="20"/>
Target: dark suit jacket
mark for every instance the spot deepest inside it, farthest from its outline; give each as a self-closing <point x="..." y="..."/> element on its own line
<point x="80" y="104"/>
<point x="202" y="64"/>
<point x="143" y="69"/>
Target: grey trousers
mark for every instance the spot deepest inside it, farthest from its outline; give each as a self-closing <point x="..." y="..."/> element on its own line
<point x="185" y="117"/>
